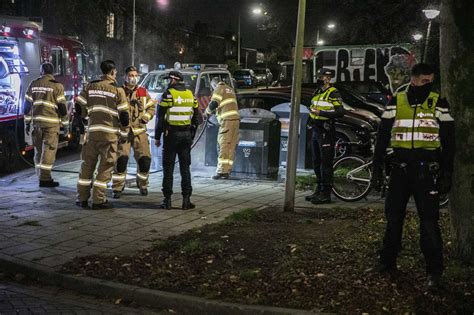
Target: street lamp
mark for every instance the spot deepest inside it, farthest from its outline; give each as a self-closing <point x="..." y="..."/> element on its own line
<point x="430" y="15"/>
<point x="329" y="26"/>
<point x="417" y="36"/>
<point x="255" y="11"/>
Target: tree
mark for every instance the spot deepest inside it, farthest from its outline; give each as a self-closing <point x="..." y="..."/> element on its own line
<point x="457" y="68"/>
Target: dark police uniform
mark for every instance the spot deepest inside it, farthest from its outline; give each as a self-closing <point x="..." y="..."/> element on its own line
<point x="420" y="130"/>
<point x="178" y="118"/>
<point x="329" y="103"/>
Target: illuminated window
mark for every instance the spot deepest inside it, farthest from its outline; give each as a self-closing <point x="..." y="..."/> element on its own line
<point x="110" y="25"/>
<point x="57" y="60"/>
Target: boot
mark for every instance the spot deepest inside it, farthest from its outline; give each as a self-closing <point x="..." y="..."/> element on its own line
<point x="322" y="198"/>
<point x="221" y="176"/>
<point x="117" y="194"/>
<point x="187" y="203"/>
<point x="166" y="203"/>
<point x="48" y="183"/>
<point x="102" y="206"/>
<point x="312" y="196"/>
<point x="144" y="191"/>
<point x="82" y="204"/>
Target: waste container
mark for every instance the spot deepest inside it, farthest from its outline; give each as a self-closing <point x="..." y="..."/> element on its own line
<point x="282" y="112"/>
<point x="257" y="153"/>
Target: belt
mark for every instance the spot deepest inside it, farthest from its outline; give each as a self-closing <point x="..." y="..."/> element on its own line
<point x="179" y="128"/>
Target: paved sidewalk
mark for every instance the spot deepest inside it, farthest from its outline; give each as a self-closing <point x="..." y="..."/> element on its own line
<point x="45" y="228"/>
<point x="23" y="299"/>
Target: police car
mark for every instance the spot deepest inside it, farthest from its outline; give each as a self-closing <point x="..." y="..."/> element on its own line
<point x="197" y="78"/>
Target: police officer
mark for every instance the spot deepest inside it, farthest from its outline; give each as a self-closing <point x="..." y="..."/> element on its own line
<point x="418" y="126"/>
<point x="142" y="109"/>
<point x="107" y="108"/>
<point x="45" y="109"/>
<point x="224" y="104"/>
<point x="325" y="106"/>
<point x="178" y="118"/>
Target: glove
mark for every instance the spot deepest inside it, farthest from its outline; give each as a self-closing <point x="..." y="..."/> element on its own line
<point x="135" y="102"/>
<point x="445" y="180"/>
<point x="157" y="143"/>
<point x="193" y="131"/>
<point x="377" y="178"/>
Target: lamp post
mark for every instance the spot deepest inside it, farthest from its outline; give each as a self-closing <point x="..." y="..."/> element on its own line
<point x="430" y="15"/>
<point x="255" y="11"/>
<point x="134" y="30"/>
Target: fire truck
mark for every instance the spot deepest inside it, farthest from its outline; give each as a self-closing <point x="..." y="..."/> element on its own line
<point x="23" y="47"/>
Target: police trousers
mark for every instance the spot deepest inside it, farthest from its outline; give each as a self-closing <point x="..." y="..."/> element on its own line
<point x="177" y="143"/>
<point x="227" y="140"/>
<point x="141" y="152"/>
<point x="103" y="153"/>
<point x="323" y="154"/>
<point x="45" y="143"/>
<point x="417" y="179"/>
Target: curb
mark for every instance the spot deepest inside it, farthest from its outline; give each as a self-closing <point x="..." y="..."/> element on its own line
<point x="182" y="304"/>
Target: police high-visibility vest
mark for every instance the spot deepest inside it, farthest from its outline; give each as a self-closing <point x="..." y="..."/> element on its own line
<point x="324" y="101"/>
<point x="181" y="109"/>
<point x="416" y="127"/>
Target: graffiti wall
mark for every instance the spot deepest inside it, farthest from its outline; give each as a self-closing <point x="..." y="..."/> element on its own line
<point x="387" y="64"/>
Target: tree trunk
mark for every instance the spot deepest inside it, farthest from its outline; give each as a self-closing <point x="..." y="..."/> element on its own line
<point x="457" y="69"/>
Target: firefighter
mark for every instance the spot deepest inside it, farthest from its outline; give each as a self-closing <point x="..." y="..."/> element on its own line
<point x="45" y="109"/>
<point x="224" y="104"/>
<point x="142" y="109"/>
<point x="107" y="107"/>
<point x="418" y="126"/>
<point x="178" y="118"/>
<point x="326" y="105"/>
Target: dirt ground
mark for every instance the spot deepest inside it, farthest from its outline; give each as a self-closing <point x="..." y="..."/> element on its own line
<point x="317" y="260"/>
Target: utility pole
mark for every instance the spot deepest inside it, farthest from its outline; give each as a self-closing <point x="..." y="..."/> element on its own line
<point x="134" y="30"/>
<point x="238" y="42"/>
<point x="292" y="156"/>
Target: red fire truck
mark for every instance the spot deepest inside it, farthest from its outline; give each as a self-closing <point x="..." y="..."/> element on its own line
<point x="23" y="47"/>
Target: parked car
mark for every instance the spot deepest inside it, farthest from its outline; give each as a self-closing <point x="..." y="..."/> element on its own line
<point x="371" y="90"/>
<point x="245" y="78"/>
<point x="264" y="76"/>
<point x="353" y="127"/>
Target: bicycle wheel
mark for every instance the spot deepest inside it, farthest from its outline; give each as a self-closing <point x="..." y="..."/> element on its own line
<point x="352" y="176"/>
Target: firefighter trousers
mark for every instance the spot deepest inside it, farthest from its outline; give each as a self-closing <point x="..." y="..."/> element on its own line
<point x="141" y="152"/>
<point x="323" y="154"/>
<point x="417" y="180"/>
<point x="227" y="140"/>
<point x="45" y="142"/>
<point x="177" y="143"/>
<point x="104" y="153"/>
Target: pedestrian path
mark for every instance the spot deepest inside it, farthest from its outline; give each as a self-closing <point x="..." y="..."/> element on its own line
<point x="45" y="228"/>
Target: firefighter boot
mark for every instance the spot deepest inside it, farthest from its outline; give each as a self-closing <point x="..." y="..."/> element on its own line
<point x="117" y="194"/>
<point x="221" y="176"/>
<point x="187" y="203"/>
<point x="102" y="206"/>
<point x="82" y="204"/>
<point x="48" y="183"/>
<point x="166" y="203"/>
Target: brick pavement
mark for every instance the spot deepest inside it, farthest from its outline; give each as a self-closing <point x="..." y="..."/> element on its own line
<point x="26" y="299"/>
<point x="44" y="227"/>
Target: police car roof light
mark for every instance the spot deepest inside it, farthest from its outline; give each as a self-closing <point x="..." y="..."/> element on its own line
<point x="161" y="67"/>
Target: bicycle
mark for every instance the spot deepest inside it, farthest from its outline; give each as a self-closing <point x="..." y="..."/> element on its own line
<point x="352" y="176"/>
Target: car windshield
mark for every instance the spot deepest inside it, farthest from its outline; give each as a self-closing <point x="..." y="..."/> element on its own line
<point x="260" y="71"/>
<point x="158" y="82"/>
<point x="241" y="73"/>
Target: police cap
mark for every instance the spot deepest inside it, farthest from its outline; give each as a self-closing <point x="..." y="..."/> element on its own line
<point x="176" y="75"/>
<point x="325" y="72"/>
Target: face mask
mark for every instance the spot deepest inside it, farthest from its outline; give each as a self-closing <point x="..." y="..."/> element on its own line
<point x="133" y="81"/>
<point x="421" y="92"/>
<point x="320" y="83"/>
